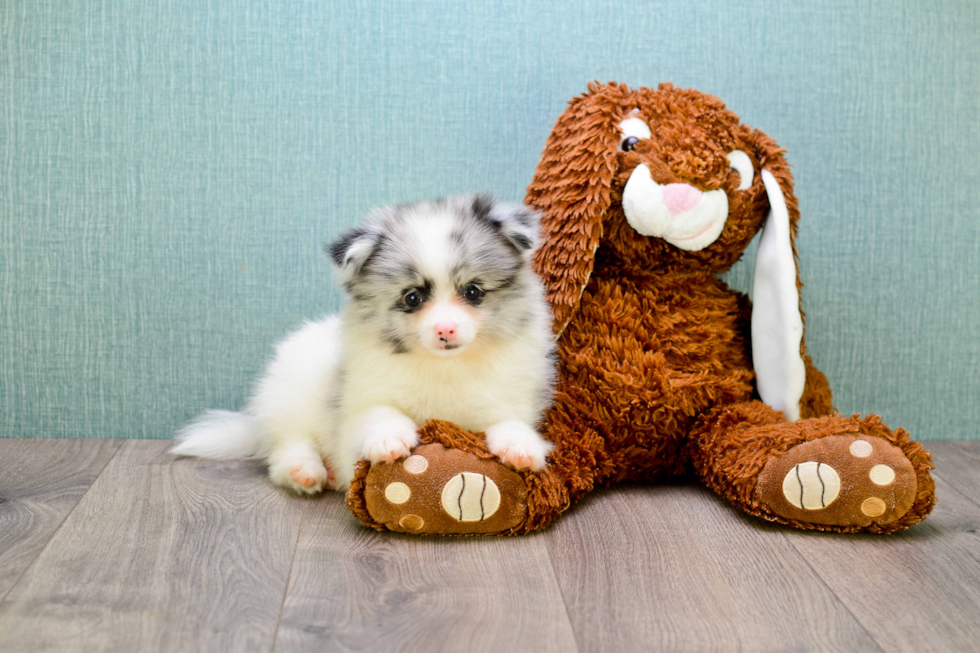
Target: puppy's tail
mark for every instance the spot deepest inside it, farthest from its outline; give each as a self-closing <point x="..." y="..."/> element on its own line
<point x="220" y="434"/>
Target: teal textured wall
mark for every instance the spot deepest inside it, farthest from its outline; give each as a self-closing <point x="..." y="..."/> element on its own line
<point x="169" y="171"/>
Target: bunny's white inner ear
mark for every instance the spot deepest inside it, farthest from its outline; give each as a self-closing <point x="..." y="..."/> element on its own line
<point x="777" y="326"/>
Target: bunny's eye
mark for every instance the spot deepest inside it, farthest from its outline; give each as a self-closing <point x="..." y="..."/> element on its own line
<point x="632" y="131"/>
<point x="742" y="164"/>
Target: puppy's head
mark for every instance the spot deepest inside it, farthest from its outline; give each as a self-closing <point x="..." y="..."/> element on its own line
<point x="438" y="277"/>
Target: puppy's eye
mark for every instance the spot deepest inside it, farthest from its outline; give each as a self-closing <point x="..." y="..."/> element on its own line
<point x="473" y="293"/>
<point x="629" y="143"/>
<point x="413" y="298"/>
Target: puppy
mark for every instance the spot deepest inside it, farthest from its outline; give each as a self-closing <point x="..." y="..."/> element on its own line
<point x="445" y="320"/>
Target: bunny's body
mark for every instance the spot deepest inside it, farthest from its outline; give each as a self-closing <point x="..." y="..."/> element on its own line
<point x="648" y="372"/>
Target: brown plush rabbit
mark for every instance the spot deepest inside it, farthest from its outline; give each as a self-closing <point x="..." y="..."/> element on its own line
<point x="646" y="196"/>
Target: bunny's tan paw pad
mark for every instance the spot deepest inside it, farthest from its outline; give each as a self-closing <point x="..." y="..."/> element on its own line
<point x="839" y="480"/>
<point x="445" y="491"/>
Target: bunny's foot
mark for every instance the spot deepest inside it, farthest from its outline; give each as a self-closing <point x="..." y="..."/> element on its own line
<point x="452" y="484"/>
<point x="439" y="491"/>
<point x="831" y="473"/>
<point x="840" y="480"/>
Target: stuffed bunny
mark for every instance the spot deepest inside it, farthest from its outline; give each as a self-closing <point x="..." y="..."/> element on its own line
<point x="646" y="196"/>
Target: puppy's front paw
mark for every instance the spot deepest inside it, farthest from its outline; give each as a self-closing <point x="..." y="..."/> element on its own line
<point x="300" y="468"/>
<point x="388" y="448"/>
<point x="386" y="435"/>
<point x="518" y="445"/>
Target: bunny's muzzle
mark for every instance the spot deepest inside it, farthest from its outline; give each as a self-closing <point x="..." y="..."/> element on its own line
<point x="684" y="216"/>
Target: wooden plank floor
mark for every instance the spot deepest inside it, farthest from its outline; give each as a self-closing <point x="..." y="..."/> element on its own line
<point x="110" y="545"/>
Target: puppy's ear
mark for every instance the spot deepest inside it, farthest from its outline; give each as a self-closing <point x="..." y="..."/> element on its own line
<point x="778" y="348"/>
<point x="516" y="222"/>
<point x="352" y="249"/>
<point x="572" y="188"/>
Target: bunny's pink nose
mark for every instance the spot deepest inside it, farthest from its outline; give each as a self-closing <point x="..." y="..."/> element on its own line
<point x="446" y="331"/>
<point x="681" y="197"/>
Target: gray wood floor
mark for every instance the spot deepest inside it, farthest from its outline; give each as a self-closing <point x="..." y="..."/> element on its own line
<point x="115" y="545"/>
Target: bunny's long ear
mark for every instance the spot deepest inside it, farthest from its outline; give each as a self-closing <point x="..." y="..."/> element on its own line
<point x="778" y="350"/>
<point x="572" y="190"/>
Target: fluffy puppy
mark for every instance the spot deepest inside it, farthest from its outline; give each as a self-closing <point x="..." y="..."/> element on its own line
<point x="445" y="320"/>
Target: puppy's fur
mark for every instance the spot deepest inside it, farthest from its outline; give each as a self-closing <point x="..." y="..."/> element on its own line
<point x="445" y="320"/>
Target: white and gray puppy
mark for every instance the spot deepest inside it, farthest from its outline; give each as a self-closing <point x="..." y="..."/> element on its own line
<point x="445" y="320"/>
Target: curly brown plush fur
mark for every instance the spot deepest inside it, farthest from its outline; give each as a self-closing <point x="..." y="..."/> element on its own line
<point x="656" y="372"/>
